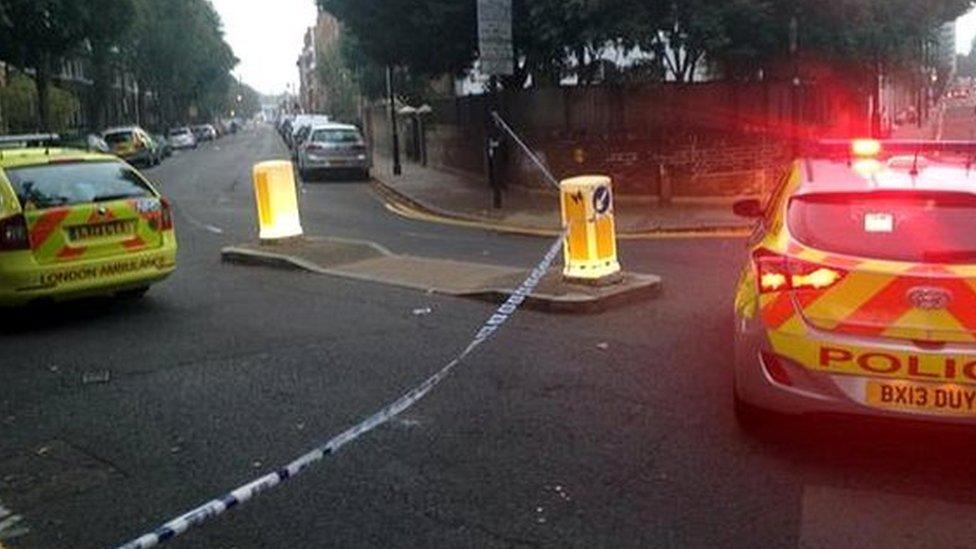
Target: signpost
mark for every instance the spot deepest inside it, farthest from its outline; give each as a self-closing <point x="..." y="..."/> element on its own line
<point x="497" y="59"/>
<point x="495" y="37"/>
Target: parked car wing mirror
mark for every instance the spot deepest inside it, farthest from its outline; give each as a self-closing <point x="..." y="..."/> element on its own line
<point x="750" y="207"/>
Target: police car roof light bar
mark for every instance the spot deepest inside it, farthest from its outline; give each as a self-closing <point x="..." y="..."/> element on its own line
<point x="844" y="148"/>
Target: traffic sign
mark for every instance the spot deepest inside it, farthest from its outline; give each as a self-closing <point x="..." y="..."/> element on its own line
<point x="601" y="200"/>
<point x="495" y="37"/>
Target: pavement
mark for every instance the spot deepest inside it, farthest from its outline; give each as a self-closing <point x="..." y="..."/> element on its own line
<point x="931" y="128"/>
<point x="606" y="430"/>
<point x="369" y="262"/>
<point x="453" y="196"/>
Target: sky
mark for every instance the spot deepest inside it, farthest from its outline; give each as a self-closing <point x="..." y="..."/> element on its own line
<point x="267" y="36"/>
<point x="965" y="32"/>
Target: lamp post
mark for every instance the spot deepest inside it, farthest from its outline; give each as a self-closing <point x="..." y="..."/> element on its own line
<point x="397" y="169"/>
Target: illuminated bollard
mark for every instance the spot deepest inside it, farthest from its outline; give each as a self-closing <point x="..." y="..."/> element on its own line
<point x="277" y="200"/>
<point x="590" y="247"/>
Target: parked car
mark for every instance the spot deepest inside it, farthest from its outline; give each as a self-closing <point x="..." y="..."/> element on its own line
<point x="91" y="142"/>
<point x="182" y="138"/>
<point x="204" y="132"/>
<point x="132" y="144"/>
<point x="95" y="143"/>
<point x="86" y="223"/>
<point x="334" y="148"/>
<point x="164" y="146"/>
<point x="302" y="127"/>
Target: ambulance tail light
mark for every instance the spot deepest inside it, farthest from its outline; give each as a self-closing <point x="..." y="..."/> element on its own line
<point x="776" y="272"/>
<point x="13" y="234"/>
<point x="166" y="215"/>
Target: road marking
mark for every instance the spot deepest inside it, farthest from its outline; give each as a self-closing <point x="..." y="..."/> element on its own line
<point x="199" y="224"/>
<point x="836" y="517"/>
<point x="242" y="494"/>
<point x="11" y="525"/>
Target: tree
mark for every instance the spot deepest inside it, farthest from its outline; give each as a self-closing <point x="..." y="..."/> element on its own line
<point x="339" y="81"/>
<point x="40" y="33"/>
<point x="178" y="51"/>
<point x="428" y="37"/>
<point x="107" y="26"/>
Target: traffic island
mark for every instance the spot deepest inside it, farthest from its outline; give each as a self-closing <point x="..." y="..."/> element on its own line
<point x="368" y="261"/>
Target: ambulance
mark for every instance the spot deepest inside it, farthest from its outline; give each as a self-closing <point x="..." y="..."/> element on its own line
<point x="77" y="224"/>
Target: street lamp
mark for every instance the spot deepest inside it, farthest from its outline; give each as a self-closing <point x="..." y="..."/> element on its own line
<point x="397" y="169"/>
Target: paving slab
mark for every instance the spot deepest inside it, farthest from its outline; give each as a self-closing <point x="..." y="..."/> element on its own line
<point x="367" y="261"/>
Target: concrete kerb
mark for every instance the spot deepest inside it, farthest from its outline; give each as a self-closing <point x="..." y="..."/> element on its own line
<point x="406" y="206"/>
<point x="576" y="300"/>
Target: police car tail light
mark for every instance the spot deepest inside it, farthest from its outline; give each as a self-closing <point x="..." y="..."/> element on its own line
<point x="776" y="272"/>
<point x="13" y="234"/>
<point x="166" y="215"/>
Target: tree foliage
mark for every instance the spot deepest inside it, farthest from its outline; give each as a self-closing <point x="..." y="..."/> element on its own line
<point x="178" y="50"/>
<point x="175" y="50"/>
<point x="672" y="39"/>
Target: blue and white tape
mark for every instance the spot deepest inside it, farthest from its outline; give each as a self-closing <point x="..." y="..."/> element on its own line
<point x="244" y="493"/>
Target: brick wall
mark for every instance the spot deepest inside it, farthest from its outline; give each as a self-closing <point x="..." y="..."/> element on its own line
<point x="709" y="139"/>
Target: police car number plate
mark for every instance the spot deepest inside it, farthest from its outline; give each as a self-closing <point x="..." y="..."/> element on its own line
<point x="928" y="398"/>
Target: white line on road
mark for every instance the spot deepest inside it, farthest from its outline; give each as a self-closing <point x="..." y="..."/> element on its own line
<point x="11" y="525"/>
<point x="199" y="224"/>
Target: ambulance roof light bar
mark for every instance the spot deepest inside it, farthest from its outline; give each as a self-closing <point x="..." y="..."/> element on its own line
<point x="28" y="140"/>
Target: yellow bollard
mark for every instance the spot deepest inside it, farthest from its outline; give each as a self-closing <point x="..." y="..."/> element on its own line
<point x="277" y="200"/>
<point x="590" y="247"/>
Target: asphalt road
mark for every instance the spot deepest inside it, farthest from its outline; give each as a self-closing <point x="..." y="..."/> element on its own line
<point x="611" y="430"/>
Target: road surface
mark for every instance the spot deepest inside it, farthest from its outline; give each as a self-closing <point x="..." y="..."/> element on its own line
<point x="613" y="430"/>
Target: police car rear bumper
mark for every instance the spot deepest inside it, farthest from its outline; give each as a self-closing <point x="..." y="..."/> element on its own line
<point x="810" y="392"/>
<point x="22" y="282"/>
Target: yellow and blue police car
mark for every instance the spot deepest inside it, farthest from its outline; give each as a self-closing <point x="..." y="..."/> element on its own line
<point x="859" y="293"/>
<point x="78" y="224"/>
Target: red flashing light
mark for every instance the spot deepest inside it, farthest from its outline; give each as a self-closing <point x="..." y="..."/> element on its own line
<point x="866" y="148"/>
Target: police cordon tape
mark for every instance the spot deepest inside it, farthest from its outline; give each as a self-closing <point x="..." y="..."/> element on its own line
<point x="244" y="493"/>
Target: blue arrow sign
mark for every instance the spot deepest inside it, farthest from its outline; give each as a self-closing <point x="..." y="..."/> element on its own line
<point x="601" y="200"/>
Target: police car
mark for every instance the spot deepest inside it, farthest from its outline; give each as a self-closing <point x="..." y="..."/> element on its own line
<point x="76" y="224"/>
<point x="859" y="295"/>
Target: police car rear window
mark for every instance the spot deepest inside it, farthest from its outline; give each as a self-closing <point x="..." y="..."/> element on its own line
<point x="921" y="227"/>
<point x="52" y="185"/>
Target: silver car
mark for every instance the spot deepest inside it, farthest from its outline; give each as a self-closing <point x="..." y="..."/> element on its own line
<point x="334" y="148"/>
<point x="859" y="295"/>
<point x="182" y="138"/>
